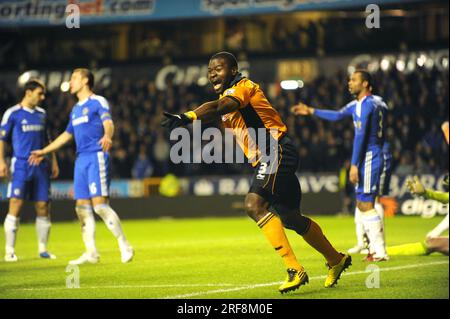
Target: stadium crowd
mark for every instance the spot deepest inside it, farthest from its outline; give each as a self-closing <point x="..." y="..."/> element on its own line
<point x="418" y="102"/>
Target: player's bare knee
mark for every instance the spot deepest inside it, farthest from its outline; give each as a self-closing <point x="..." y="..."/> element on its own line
<point x="251" y="208"/>
<point x="82" y="202"/>
<point x="254" y="208"/>
<point x="99" y="200"/>
<point x="42" y="209"/>
<point x="15" y="205"/>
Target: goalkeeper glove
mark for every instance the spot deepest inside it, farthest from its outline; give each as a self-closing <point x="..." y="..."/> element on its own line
<point x="173" y="121"/>
<point x="415" y="186"/>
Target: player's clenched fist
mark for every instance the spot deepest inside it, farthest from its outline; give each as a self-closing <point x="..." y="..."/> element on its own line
<point x="302" y="109"/>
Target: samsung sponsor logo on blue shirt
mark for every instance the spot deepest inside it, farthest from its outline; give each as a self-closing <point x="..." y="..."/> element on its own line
<point x="80" y="120"/>
<point x="32" y="128"/>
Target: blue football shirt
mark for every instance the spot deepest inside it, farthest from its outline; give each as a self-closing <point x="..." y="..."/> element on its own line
<point x="369" y="120"/>
<point x="86" y="123"/>
<point x="25" y="128"/>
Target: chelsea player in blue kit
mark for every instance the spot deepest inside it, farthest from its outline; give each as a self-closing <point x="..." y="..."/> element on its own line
<point x="24" y="126"/>
<point x="383" y="190"/>
<point x="92" y="128"/>
<point x="367" y="164"/>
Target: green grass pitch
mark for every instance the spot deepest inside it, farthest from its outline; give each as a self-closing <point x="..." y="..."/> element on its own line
<point x="216" y="258"/>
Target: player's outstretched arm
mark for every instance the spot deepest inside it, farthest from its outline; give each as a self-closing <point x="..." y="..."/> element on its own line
<point x="441" y="197"/>
<point x="3" y="167"/>
<point x="302" y="109"/>
<point x="207" y="112"/>
<point x="54" y="161"/>
<point x="305" y="110"/>
<point x="211" y="111"/>
<point x="416" y="188"/>
<point x="60" y="141"/>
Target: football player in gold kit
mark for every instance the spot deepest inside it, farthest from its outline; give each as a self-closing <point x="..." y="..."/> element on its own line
<point x="273" y="201"/>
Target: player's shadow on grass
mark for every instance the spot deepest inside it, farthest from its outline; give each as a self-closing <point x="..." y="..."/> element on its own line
<point x="298" y="295"/>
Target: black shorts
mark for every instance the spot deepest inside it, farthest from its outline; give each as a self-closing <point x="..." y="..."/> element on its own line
<point x="276" y="181"/>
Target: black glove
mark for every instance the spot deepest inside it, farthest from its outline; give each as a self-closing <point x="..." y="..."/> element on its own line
<point x="173" y="121"/>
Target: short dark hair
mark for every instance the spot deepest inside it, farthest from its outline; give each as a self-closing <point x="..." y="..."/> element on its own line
<point x="228" y="57"/>
<point x="87" y="74"/>
<point x="366" y="76"/>
<point x="32" y="85"/>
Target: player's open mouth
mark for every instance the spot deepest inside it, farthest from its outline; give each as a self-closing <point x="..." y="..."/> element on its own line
<point x="217" y="86"/>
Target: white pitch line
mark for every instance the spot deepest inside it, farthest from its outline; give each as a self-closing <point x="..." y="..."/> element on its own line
<point x="248" y="287"/>
<point x="129" y="286"/>
<point x="216" y="291"/>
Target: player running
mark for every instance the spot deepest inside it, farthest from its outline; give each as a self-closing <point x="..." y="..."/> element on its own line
<point x="24" y="125"/>
<point x="368" y="112"/>
<point x="92" y="127"/>
<point x="274" y="197"/>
